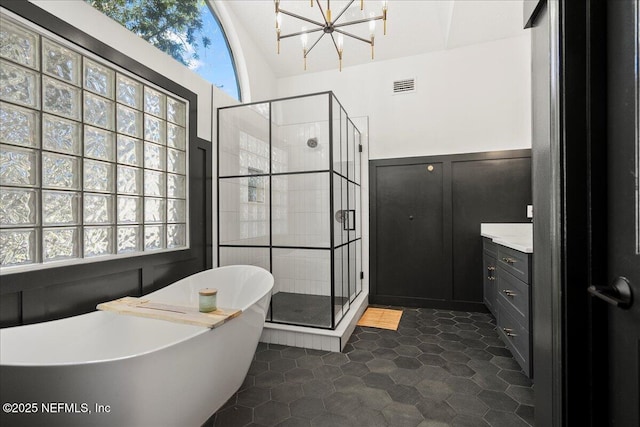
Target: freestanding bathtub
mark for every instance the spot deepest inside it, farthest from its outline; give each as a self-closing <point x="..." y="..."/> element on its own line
<point x="106" y="369"/>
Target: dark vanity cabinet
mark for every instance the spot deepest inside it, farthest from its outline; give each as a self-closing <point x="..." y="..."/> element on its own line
<point x="507" y="294"/>
<point x="489" y="257"/>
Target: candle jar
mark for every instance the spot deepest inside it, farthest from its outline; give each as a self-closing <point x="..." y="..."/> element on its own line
<point x="207" y="300"/>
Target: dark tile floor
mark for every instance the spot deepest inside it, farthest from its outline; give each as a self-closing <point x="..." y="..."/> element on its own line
<point x="441" y="368"/>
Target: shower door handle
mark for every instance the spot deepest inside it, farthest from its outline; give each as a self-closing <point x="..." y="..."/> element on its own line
<point x="349" y="217"/>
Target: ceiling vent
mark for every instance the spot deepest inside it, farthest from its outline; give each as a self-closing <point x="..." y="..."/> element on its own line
<point x="404" y="86"/>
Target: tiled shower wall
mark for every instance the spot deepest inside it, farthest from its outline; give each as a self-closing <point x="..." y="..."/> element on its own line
<point x="302" y="271"/>
<point x="305" y="210"/>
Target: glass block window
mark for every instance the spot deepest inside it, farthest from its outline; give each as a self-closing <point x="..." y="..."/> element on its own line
<point x="93" y="160"/>
<point x="256" y="186"/>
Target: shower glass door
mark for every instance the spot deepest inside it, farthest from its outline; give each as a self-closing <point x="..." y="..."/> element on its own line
<point x="301" y="243"/>
<point x="289" y="201"/>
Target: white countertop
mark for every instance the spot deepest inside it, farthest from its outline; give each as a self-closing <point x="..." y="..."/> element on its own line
<point x="518" y="236"/>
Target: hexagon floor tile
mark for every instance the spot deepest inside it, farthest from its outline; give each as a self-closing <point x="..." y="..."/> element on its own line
<point x="441" y="368"/>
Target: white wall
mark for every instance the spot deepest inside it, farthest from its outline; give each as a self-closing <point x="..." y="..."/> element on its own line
<point x="470" y="99"/>
<point x="257" y="80"/>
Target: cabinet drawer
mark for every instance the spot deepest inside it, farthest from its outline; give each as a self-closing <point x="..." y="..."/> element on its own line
<point x="515" y="262"/>
<point x="514" y="296"/>
<point x="515" y="337"/>
<point x="489" y="247"/>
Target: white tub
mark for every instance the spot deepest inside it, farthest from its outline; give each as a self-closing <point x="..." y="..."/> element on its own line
<point x="144" y="372"/>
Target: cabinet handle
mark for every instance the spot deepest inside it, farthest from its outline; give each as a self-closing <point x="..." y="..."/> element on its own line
<point x="509" y="260"/>
<point x="509" y="292"/>
<point x="491" y="278"/>
<point x="491" y="268"/>
<point x="509" y="332"/>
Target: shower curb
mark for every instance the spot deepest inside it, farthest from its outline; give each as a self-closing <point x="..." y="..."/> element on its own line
<point x="314" y="338"/>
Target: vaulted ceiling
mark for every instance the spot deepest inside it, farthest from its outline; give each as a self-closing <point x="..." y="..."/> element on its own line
<point x="414" y="27"/>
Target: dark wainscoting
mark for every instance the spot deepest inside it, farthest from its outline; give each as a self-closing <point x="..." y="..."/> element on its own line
<point x="425" y="214"/>
<point x="58" y="292"/>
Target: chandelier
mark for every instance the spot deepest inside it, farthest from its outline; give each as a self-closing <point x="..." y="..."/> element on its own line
<point x="329" y="26"/>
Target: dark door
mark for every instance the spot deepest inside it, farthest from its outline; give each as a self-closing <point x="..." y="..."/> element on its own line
<point x="623" y="180"/>
<point x="409" y="231"/>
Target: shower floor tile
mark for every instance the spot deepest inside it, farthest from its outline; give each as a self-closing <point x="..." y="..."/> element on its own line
<point x="303" y="309"/>
<point x="440" y="368"/>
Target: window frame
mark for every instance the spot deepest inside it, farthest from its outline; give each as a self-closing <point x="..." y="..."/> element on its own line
<point x="119" y="66"/>
<point x="228" y="45"/>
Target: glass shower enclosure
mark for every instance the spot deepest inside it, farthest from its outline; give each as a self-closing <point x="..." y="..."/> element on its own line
<point x="289" y="201"/>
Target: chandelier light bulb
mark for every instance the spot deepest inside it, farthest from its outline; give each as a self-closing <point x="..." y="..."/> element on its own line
<point x="304" y="38"/>
<point x="278" y="19"/>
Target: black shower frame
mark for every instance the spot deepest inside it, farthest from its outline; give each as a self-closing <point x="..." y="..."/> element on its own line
<point x="357" y="150"/>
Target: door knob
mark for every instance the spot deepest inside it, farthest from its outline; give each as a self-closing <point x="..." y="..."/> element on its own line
<point x="618" y="294"/>
<point x="410" y="217"/>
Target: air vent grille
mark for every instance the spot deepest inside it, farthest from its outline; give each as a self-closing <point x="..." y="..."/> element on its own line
<point x="404" y="86"/>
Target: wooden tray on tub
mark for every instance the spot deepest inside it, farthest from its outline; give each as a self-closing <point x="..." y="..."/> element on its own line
<point x="174" y="313"/>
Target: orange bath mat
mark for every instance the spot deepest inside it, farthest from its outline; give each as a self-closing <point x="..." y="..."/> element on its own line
<point x="382" y="318"/>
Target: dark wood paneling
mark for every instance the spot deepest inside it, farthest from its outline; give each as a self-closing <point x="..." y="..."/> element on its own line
<point x="484" y="191"/>
<point x="435" y="260"/>
<point x="410" y="231"/>
<point x="78" y="296"/>
<point x="10" y="309"/>
<point x="68" y="290"/>
<point x="200" y="187"/>
<point x="164" y="274"/>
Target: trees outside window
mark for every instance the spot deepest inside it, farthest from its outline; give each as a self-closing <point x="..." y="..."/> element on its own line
<point x="187" y="30"/>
